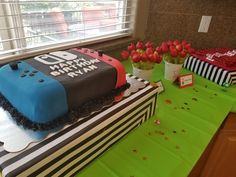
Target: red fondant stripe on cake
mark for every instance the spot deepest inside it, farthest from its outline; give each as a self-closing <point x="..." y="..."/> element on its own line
<point x="121" y="78"/>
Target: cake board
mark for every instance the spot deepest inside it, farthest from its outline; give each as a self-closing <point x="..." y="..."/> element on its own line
<point x="68" y="151"/>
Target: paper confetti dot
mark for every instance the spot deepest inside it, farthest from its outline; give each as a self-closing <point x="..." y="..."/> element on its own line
<point x="144" y="158"/>
<point x="135" y="150"/>
<point x="161" y="133"/>
<point x="166" y="138"/>
<point x="186" y="103"/>
<point x="195" y="90"/>
<point x="177" y="147"/>
<point x="174" y="131"/>
<point x="194" y="99"/>
<point x="157" y="122"/>
<point x="223" y="90"/>
<point x="167" y="101"/>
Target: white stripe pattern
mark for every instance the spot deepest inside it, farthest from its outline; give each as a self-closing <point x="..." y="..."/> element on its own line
<point x="209" y="71"/>
<point x="36" y="153"/>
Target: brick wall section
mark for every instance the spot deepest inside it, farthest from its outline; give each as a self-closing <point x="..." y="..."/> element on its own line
<point x="170" y="19"/>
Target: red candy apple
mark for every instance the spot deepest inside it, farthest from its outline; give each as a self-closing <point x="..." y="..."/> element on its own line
<point x="131" y="47"/>
<point x="179" y="47"/>
<point x="125" y="54"/>
<point x="149" y="44"/>
<point x="140" y="45"/>
<point x="173" y="52"/>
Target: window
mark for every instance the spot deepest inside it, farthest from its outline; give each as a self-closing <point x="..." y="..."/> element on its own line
<point x="38" y="24"/>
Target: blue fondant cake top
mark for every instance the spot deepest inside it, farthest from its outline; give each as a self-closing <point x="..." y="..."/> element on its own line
<point x="36" y="95"/>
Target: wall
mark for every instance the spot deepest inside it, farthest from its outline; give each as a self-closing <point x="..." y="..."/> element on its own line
<point x="170" y="19"/>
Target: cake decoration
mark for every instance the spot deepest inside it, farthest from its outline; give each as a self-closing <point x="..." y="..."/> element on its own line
<point x="12" y="140"/>
<point x="215" y="64"/>
<point x="50" y="90"/>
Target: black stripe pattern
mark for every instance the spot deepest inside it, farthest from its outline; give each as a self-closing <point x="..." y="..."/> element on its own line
<point x="71" y="149"/>
<point x="210" y="72"/>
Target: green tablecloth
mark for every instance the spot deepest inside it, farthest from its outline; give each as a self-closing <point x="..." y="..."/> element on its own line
<point x="189" y="119"/>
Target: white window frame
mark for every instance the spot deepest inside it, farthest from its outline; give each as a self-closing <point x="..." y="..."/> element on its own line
<point x="19" y="33"/>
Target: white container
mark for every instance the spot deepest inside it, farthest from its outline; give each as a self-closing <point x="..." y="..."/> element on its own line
<point x="172" y="71"/>
<point x="144" y="74"/>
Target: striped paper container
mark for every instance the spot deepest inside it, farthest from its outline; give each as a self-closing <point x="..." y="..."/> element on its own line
<point x="71" y="149"/>
<point x="217" y="74"/>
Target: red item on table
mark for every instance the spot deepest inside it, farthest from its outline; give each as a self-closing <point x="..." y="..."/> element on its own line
<point x="221" y="57"/>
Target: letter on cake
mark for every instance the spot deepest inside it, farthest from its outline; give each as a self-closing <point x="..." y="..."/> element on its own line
<point x="55" y="73"/>
<point x="55" y="67"/>
<point x="93" y="67"/>
<point x="72" y="74"/>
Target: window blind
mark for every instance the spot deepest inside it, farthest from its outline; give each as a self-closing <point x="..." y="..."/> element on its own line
<point x="37" y="24"/>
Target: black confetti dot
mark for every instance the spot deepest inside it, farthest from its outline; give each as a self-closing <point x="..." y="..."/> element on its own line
<point x="31" y="74"/>
<point x="183" y="130"/>
<point x="182" y="107"/>
<point x="215" y="94"/>
<point x="161" y="133"/>
<point x="41" y="80"/>
<point x="205" y="86"/>
<point x="174" y="131"/>
<point x="223" y="90"/>
<point x="194" y="99"/>
<point x="188" y="108"/>
<point x="26" y="71"/>
<point x="22" y="75"/>
<point x="34" y="71"/>
<point x="166" y="138"/>
<point x="186" y="103"/>
<point x="144" y="158"/>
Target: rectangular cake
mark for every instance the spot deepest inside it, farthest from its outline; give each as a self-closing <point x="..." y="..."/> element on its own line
<point x="59" y="86"/>
<point x="217" y="65"/>
<point x="66" y="152"/>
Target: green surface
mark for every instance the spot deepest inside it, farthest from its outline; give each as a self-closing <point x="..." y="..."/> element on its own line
<point x="189" y="119"/>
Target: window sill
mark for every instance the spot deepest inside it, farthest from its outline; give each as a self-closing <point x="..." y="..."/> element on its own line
<point x="107" y="46"/>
